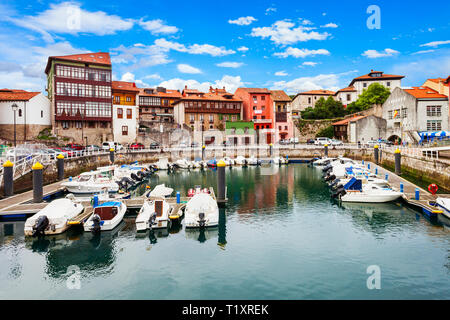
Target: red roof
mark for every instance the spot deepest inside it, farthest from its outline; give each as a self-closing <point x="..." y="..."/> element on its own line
<point x="101" y="58"/>
<point x="124" y="86"/>
<point x="346" y="121"/>
<point x="255" y="90"/>
<point x="16" y="95"/>
<point x="439" y="80"/>
<point x="383" y="77"/>
<point x="348" y="89"/>
<point x="425" y="93"/>
<point x="168" y="94"/>
<point x="279" y="95"/>
<point x="318" y="92"/>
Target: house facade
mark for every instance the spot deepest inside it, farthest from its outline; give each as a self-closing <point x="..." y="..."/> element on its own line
<point x="31" y="117"/>
<point x="257" y="107"/>
<point x="207" y="111"/>
<point x="156" y="106"/>
<point x="283" y="124"/>
<point x="308" y="99"/>
<point x="125" y="111"/>
<point x="240" y="133"/>
<point x="390" y="81"/>
<point x="410" y="111"/>
<point x="79" y="88"/>
<point x="346" y="96"/>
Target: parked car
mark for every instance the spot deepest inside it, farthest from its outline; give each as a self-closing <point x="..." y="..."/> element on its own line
<point x="372" y="143"/>
<point x="293" y="140"/>
<point x="386" y="142"/>
<point x="75" y="146"/>
<point x="284" y="142"/>
<point x="310" y="141"/>
<point x="322" y="141"/>
<point x="195" y="145"/>
<point x="93" y="147"/>
<point x="154" y="145"/>
<point x="59" y="150"/>
<point x="137" y="146"/>
<point x="335" y="142"/>
<point x="110" y="144"/>
<point x="69" y="151"/>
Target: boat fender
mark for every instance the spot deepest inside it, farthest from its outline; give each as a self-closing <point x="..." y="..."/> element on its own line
<point x="40" y="226"/>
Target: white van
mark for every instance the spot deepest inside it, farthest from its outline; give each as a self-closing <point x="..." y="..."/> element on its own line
<point x="322" y="141"/>
<point x="110" y="144"/>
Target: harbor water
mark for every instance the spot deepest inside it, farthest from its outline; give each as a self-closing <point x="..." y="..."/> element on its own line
<point x="280" y="237"/>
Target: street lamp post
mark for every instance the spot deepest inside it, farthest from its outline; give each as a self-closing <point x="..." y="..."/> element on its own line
<point x="14" y="108"/>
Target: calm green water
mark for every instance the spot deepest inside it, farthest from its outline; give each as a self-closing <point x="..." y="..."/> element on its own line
<point x="281" y="237"/>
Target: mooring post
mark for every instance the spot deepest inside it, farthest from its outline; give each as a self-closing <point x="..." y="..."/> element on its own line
<point x="326" y="150"/>
<point x="8" y="178"/>
<point x="417" y="194"/>
<point x="178" y="197"/>
<point x="111" y="155"/>
<point x="376" y="153"/>
<point x="271" y="149"/>
<point x="203" y="152"/>
<point x="38" y="182"/>
<point x="398" y="162"/>
<point x="221" y="196"/>
<point x="401" y="187"/>
<point x="60" y="166"/>
<point x="376" y="171"/>
<point x="386" y="177"/>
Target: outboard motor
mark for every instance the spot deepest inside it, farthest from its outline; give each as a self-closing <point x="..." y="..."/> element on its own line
<point x="40" y="226"/>
<point x="96" y="223"/>
<point x="330" y="178"/>
<point x="339" y="193"/>
<point x="201" y="220"/>
<point x="334" y="183"/>
<point x="135" y="177"/>
<point x="327" y="167"/>
<point x="151" y="220"/>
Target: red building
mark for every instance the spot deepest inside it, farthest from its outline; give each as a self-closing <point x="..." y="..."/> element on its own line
<point x="79" y="88"/>
<point x="258" y="107"/>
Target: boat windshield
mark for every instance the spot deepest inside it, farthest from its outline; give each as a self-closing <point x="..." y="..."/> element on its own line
<point x="84" y="178"/>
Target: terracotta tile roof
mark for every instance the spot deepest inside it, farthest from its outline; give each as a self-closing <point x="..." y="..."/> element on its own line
<point x="439" y="80"/>
<point x="16" y="95"/>
<point x="101" y="58"/>
<point x="348" y="89"/>
<point x="424" y="93"/>
<point x="210" y="97"/>
<point x="318" y="92"/>
<point x="125" y="86"/>
<point x="255" y="90"/>
<point x="168" y="94"/>
<point x="383" y="76"/>
<point x="448" y="80"/>
<point x="279" y="95"/>
<point x="346" y="121"/>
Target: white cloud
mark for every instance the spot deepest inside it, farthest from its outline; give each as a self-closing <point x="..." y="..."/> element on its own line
<point x="281" y="73"/>
<point x="194" y="49"/>
<point x="322" y="81"/>
<point x="423" y="51"/>
<point x="435" y="44"/>
<point x="374" y="54"/>
<point x="306" y="22"/>
<point x="309" y="63"/>
<point x="230" y="64"/>
<point x="185" y="68"/>
<point x="270" y="10"/>
<point x="243" y="21"/>
<point x="152" y="76"/>
<point x="69" y="18"/>
<point x="229" y="82"/>
<point x="285" y="32"/>
<point x="140" y="56"/>
<point x="157" y="26"/>
<point x="242" y="49"/>
<point x="329" y="25"/>
<point x="130" y="77"/>
<point x="301" y="53"/>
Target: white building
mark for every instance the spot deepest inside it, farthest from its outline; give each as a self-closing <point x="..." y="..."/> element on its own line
<point x="31" y="117"/>
<point x="125" y="111"/>
<point x="410" y="111"/>
<point x="308" y="99"/>
<point x="346" y="95"/>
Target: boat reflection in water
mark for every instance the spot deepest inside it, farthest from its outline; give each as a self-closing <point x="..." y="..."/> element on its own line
<point x="93" y="253"/>
<point x="204" y="234"/>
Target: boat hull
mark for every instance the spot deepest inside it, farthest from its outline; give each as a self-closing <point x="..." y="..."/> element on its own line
<point x="360" y="197"/>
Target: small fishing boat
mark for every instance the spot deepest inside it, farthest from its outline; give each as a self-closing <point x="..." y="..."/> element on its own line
<point x="212" y="163"/>
<point x="53" y="218"/>
<point x="183" y="164"/>
<point x="355" y="191"/>
<point x="160" y="191"/>
<point x="154" y="214"/>
<point x="199" y="164"/>
<point x="228" y="161"/>
<point x="280" y="160"/>
<point x="444" y="204"/>
<point x="92" y="182"/>
<point x="106" y="216"/>
<point x="252" y="161"/>
<point x="201" y="212"/>
<point x="198" y="189"/>
<point x="163" y="164"/>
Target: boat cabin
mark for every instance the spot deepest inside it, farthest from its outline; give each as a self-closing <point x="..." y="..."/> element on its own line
<point x="108" y="210"/>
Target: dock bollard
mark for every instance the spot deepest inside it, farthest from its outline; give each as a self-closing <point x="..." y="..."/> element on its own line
<point x="178" y="197"/>
<point x="376" y="151"/>
<point x="326" y="150"/>
<point x="38" y="182"/>
<point x="111" y="155"/>
<point x="95" y="201"/>
<point x="401" y="187"/>
<point x="417" y="194"/>
<point x="60" y="166"/>
<point x="376" y="170"/>
<point x="271" y="149"/>
<point x="203" y="152"/>
<point x="221" y="181"/>
<point x="398" y="162"/>
<point x="8" y="178"/>
<point x="362" y="162"/>
<point x="386" y="177"/>
<point x="368" y="166"/>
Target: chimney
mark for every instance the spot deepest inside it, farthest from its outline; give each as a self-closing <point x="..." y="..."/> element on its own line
<point x="185" y="86"/>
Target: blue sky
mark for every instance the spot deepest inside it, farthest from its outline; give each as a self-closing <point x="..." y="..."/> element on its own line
<point x="290" y="45"/>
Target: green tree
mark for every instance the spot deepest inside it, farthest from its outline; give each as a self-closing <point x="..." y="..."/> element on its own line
<point x="376" y="94"/>
<point x="324" y="109"/>
<point x="327" y="132"/>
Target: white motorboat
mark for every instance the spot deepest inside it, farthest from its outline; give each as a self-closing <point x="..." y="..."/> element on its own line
<point x="201" y="211"/>
<point x="199" y="164"/>
<point x="106" y="216"/>
<point x="183" y="164"/>
<point x="53" y="218"/>
<point x="252" y="161"/>
<point x="163" y="164"/>
<point x="154" y="214"/>
<point x="280" y="160"/>
<point x="228" y="161"/>
<point x="355" y="191"/>
<point x="92" y="182"/>
<point x="444" y="204"/>
<point x="323" y="162"/>
<point x="160" y="191"/>
<point x="240" y="161"/>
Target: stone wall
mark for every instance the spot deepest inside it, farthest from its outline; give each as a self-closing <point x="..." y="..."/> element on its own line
<point x="32" y="130"/>
<point x="308" y="129"/>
